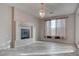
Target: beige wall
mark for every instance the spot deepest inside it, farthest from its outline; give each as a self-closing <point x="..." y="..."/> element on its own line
<point x="69" y="30"/>
<point x="77" y="27"/>
<point x="5" y="26"/>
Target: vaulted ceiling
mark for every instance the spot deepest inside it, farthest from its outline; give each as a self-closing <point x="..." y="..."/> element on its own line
<point x="51" y="9"/>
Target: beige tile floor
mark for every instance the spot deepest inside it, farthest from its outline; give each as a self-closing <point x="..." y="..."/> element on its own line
<point x="40" y="48"/>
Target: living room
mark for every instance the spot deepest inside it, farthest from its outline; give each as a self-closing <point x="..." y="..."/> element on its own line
<point x="24" y="24"/>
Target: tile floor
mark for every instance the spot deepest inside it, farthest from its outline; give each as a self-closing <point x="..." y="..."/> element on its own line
<point x="40" y="48"/>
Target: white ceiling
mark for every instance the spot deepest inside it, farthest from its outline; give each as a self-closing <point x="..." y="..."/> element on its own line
<point x="56" y="8"/>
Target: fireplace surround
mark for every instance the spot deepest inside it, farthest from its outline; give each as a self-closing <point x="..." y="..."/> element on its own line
<point x="26" y="32"/>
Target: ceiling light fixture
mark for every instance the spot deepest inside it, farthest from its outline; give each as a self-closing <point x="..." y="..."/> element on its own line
<point x="42" y="10"/>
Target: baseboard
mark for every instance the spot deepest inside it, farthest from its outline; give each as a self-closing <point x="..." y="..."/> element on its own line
<point x="57" y="41"/>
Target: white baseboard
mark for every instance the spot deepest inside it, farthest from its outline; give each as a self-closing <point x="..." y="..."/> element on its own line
<point x="57" y="41"/>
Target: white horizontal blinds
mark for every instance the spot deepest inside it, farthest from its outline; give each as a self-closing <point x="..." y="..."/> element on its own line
<point x="55" y="27"/>
<point x="61" y="27"/>
<point x="50" y="28"/>
<point x="47" y="28"/>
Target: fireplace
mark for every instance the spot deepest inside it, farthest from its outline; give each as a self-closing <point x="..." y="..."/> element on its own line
<point x="25" y="32"/>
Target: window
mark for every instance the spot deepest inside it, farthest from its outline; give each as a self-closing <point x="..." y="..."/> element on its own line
<point x="55" y="27"/>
